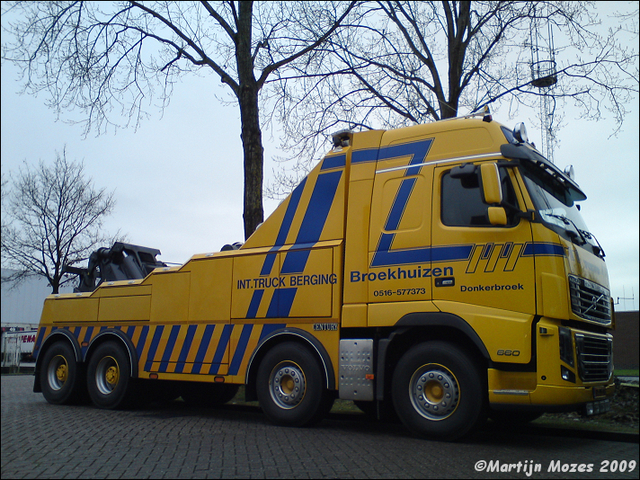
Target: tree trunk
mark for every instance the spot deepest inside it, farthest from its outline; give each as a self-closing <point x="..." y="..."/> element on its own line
<point x="458" y="31"/>
<point x="253" y="160"/>
<point x="247" y="94"/>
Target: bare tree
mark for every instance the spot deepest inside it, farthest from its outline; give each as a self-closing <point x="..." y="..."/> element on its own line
<point x="409" y="62"/>
<point x="52" y="217"/>
<point x="101" y="56"/>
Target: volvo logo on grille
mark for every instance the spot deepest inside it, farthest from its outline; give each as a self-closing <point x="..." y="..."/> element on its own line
<point x="594" y="302"/>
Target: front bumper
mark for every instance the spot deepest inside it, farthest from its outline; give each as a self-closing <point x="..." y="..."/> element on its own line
<point x="586" y="400"/>
<point x="572" y="370"/>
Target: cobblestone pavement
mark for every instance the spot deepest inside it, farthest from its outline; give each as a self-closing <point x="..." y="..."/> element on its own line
<point x="173" y="441"/>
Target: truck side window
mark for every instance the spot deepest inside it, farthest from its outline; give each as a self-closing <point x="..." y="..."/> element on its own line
<point x="462" y="204"/>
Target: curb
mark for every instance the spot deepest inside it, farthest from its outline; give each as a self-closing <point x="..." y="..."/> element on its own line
<point x="591" y="434"/>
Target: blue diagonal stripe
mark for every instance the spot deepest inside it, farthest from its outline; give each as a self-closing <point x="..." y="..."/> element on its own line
<point x="154" y="346"/>
<point x="384" y="255"/>
<point x="186" y="346"/>
<point x="202" y="349"/>
<point x="256" y="298"/>
<point x="168" y="350"/>
<point x="240" y="349"/>
<point x="142" y="340"/>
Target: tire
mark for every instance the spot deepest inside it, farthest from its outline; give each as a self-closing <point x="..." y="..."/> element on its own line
<point x="290" y="386"/>
<point x="61" y="376"/>
<point x="439" y="392"/>
<point x="208" y="394"/>
<point x="109" y="377"/>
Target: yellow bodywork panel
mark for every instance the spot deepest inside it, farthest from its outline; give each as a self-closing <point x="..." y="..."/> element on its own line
<point x="414" y="226"/>
<point x="124" y="288"/>
<point x="555" y="295"/>
<point x="170" y="299"/>
<point x="506" y="334"/>
<point x="122" y="309"/>
<point x="288" y="291"/>
<point x="354" y="315"/>
<point x="519" y="381"/>
<point x="70" y="309"/>
<point x="357" y="246"/>
<point x="454" y="138"/>
<point x="314" y="296"/>
<point x="210" y="298"/>
<point x="511" y="387"/>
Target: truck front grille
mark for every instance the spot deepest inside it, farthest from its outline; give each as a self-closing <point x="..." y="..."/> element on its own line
<point x="590" y="300"/>
<point x="595" y="357"/>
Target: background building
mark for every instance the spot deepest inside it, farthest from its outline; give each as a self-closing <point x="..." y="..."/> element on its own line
<point x="21" y="310"/>
<point x="22" y="305"/>
<point x="625" y="341"/>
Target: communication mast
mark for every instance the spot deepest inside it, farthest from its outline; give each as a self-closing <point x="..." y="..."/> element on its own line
<point x="625" y="298"/>
<point x="544" y="77"/>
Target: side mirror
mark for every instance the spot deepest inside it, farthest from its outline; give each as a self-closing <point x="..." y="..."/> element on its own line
<point x="497" y="216"/>
<point x="491" y="188"/>
<point x="492" y="191"/>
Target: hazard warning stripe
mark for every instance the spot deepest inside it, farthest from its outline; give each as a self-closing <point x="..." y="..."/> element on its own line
<point x="213" y="349"/>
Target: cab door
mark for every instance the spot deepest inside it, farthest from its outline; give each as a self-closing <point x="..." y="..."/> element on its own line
<point x="480" y="264"/>
<point x="399" y="234"/>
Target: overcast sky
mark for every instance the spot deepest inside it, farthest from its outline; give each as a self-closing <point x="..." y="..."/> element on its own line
<point x="178" y="179"/>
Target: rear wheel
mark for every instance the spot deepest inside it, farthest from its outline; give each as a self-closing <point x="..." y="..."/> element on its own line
<point x="290" y="386"/>
<point x="109" y="378"/>
<point x="438" y="391"/>
<point x="61" y="379"/>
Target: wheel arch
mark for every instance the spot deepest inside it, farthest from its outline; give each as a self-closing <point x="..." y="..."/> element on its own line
<point x="444" y="326"/>
<point x="120" y="337"/>
<point x="59" y="335"/>
<point x="415" y="328"/>
<point x="279" y="336"/>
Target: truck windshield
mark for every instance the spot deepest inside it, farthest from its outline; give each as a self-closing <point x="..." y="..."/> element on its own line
<point x="557" y="209"/>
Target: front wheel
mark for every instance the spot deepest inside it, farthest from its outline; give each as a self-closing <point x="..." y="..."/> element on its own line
<point x="290" y="386"/>
<point x="438" y="391"/>
<point x="109" y="378"/>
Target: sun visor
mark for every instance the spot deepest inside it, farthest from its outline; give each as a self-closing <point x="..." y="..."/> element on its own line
<point x="525" y="153"/>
